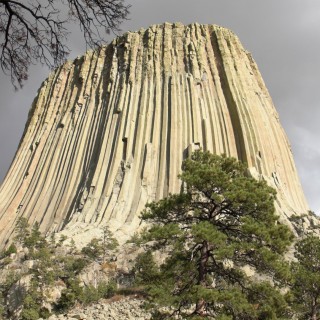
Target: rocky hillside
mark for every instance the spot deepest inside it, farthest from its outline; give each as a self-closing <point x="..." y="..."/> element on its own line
<point x="118" y="308"/>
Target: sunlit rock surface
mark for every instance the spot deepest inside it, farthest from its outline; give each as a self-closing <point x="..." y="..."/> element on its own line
<point x="108" y="131"/>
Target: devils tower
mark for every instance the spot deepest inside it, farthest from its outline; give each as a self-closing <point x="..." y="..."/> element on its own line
<point x="108" y="131"/>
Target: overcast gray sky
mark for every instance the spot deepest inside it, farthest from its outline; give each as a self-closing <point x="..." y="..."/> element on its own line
<point x="282" y="35"/>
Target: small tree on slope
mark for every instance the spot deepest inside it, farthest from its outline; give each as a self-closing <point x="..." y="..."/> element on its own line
<point x="223" y="223"/>
<point x="305" y="291"/>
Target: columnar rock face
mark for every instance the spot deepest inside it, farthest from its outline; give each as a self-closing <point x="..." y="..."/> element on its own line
<point x="108" y="131"/>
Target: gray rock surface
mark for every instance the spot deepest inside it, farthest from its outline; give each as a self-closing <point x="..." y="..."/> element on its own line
<point x="124" y="309"/>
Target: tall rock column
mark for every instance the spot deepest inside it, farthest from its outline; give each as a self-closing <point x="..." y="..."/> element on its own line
<point x="108" y="132"/>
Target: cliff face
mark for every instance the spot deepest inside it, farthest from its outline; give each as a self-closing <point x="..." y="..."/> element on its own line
<point x="108" y="131"/>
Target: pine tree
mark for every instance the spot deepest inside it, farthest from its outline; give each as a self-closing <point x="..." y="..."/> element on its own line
<point x="22" y="230"/>
<point x="306" y="278"/>
<point x="221" y="224"/>
<point x="98" y="248"/>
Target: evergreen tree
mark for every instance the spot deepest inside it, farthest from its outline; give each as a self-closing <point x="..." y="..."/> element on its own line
<point x="22" y="230"/>
<point x="49" y="267"/>
<point x="98" y="248"/>
<point x="222" y="223"/>
<point x="305" y="290"/>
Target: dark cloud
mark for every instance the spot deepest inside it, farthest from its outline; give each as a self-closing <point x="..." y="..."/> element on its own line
<point x="283" y="37"/>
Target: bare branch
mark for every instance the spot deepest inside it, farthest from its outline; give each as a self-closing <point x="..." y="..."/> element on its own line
<point x="36" y="31"/>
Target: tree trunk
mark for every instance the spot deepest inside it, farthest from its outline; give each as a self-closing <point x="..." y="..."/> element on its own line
<point x="202" y="269"/>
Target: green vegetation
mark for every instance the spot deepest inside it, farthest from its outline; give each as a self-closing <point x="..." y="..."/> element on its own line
<point x="74" y="293"/>
<point x="222" y="223"/>
<point x="12" y="249"/>
<point x="305" y="290"/>
<point x="201" y="245"/>
<point x="98" y="248"/>
<point x="49" y="267"/>
<point x="5" y="286"/>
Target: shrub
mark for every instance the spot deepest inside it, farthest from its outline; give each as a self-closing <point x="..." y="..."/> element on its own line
<point x="12" y="249"/>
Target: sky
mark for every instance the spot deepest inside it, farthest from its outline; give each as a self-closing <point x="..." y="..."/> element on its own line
<point x="284" y="39"/>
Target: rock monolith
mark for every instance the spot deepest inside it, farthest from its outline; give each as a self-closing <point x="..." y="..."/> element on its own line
<point x="108" y="131"/>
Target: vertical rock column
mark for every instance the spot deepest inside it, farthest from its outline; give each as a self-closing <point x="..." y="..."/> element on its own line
<point x="108" y="131"/>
